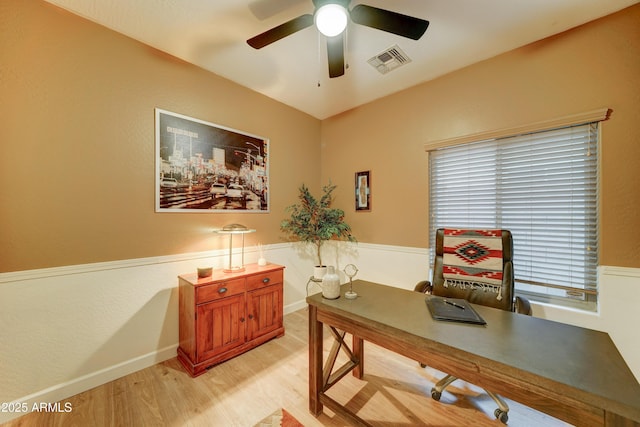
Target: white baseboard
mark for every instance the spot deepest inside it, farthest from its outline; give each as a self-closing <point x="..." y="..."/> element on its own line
<point x="61" y="391"/>
<point x="298" y="305"/>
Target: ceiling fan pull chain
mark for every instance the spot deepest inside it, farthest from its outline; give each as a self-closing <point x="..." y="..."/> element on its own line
<point x="346" y="48"/>
<point x="319" y="58"/>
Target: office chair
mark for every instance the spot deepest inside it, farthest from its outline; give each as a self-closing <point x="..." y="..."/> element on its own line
<point x="476" y="265"/>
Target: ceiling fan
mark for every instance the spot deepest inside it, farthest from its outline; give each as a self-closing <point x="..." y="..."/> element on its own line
<point x="331" y="18"/>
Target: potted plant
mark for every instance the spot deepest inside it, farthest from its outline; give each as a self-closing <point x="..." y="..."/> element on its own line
<point x="315" y="221"/>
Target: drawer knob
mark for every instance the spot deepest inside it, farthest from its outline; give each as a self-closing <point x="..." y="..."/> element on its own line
<point x="265" y="280"/>
<point x="251" y="316"/>
<point x="222" y="290"/>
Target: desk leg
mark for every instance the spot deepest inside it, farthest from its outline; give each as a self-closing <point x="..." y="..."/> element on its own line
<point x="358" y="352"/>
<point x="315" y="361"/>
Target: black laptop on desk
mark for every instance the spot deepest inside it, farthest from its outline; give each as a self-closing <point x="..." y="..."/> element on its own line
<point x="453" y="310"/>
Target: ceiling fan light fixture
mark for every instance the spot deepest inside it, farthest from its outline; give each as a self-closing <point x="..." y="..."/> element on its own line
<point x="331" y="19"/>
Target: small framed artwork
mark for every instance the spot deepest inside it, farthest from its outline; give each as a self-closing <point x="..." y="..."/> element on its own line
<point x="363" y="191"/>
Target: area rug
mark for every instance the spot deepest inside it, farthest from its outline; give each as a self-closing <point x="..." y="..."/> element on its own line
<point x="280" y="418"/>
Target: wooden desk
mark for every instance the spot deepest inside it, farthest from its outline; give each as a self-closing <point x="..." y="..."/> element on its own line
<point x="571" y="373"/>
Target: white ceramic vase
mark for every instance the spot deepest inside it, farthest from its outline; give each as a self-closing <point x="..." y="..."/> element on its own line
<point x="331" y="284"/>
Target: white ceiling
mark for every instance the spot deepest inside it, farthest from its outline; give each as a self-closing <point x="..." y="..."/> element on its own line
<point x="212" y="34"/>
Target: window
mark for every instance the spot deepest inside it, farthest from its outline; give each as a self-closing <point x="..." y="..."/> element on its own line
<point x="543" y="187"/>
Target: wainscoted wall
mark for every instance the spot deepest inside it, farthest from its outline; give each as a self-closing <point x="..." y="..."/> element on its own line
<point x="68" y="329"/>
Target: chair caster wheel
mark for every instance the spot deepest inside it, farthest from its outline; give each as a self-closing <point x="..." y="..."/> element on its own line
<point x="435" y="394"/>
<point x="501" y="415"/>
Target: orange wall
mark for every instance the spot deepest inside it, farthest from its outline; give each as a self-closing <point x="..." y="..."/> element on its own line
<point x="78" y="143"/>
<point x="591" y="67"/>
<point x="77" y="135"/>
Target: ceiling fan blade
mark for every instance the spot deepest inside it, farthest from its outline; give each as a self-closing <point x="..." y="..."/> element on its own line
<point x="391" y="22"/>
<point x="335" y="55"/>
<point x="281" y="31"/>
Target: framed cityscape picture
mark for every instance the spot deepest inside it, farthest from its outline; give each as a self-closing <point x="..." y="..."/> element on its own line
<point x="205" y="167"/>
<point x="363" y="191"/>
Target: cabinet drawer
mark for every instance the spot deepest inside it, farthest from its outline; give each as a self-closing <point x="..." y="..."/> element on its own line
<point x="259" y="280"/>
<point x="219" y="290"/>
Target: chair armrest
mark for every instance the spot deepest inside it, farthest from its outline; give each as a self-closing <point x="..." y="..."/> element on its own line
<point x="424" y="287"/>
<point x="523" y="306"/>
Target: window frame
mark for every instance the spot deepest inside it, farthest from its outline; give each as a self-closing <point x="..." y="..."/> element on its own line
<point x="590" y="294"/>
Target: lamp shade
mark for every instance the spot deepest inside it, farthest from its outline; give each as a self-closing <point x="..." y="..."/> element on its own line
<point x="331" y="19"/>
<point x="235" y="229"/>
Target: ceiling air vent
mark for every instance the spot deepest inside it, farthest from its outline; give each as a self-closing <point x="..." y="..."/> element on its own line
<point x="389" y="60"/>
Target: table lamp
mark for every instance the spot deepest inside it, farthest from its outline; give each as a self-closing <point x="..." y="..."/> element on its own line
<point x="232" y="229"/>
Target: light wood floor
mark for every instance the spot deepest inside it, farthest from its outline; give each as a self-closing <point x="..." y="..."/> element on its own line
<point x="240" y="392"/>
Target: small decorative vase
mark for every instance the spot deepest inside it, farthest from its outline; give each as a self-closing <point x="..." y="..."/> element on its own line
<point x="262" y="261"/>
<point x="331" y="284"/>
<point x="319" y="271"/>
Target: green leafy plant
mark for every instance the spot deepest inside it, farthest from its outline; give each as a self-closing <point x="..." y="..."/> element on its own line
<point x="315" y="221"/>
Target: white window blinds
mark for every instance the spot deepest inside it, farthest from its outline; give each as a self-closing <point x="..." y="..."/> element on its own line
<point x="543" y="187"/>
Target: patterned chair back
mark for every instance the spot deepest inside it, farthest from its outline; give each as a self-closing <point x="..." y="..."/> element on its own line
<point x="476" y="265"/>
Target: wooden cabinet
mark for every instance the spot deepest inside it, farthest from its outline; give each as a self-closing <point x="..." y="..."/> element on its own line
<point x="227" y="314"/>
